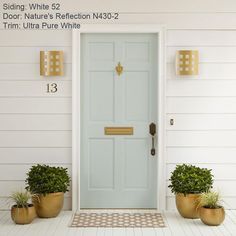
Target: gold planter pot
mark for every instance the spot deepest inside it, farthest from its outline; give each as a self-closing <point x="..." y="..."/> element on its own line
<point x="212" y="217"/>
<point x="49" y="205"/>
<point x="24" y="215"/>
<point x="187" y="205"/>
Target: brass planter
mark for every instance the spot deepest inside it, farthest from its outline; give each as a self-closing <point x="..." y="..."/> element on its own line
<point x="49" y="205"/>
<point x="24" y="215"/>
<point x="187" y="205"/>
<point x="212" y="217"/>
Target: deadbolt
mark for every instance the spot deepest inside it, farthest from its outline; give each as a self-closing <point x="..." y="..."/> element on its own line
<point x="152" y="131"/>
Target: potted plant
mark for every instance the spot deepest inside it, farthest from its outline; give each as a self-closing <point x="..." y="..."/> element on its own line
<point x="22" y="212"/>
<point x="188" y="182"/>
<point x="211" y="212"/>
<point x="49" y="183"/>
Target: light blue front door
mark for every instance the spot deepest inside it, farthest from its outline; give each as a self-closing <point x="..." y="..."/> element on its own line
<point x="118" y="171"/>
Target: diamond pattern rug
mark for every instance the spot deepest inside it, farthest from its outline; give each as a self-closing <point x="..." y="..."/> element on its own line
<point x="118" y="219"/>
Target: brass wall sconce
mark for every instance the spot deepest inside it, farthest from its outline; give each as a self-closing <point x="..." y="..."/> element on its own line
<point x="187" y="62"/>
<point x="51" y="63"/>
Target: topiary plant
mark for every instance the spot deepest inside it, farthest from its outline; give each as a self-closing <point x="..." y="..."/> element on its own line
<point x="190" y="179"/>
<point x="44" y="179"/>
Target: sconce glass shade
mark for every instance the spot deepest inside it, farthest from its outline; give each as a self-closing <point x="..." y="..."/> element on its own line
<point x="187" y="62"/>
<point x="51" y="63"/>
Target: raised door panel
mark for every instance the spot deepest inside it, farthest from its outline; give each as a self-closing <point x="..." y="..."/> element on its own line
<point x="137" y="96"/>
<point x="101" y="164"/>
<point x="101" y="51"/>
<point x="136" y="164"/>
<point x="101" y="96"/>
<point x="137" y="51"/>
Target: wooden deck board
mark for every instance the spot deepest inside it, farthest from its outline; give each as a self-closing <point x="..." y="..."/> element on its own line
<point x="176" y="226"/>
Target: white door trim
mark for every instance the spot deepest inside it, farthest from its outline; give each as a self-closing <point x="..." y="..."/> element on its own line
<point x="161" y="90"/>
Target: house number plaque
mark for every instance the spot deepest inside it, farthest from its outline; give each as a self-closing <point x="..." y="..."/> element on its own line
<point x="52" y="88"/>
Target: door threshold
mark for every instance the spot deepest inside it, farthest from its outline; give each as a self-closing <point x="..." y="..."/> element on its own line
<point x="118" y="210"/>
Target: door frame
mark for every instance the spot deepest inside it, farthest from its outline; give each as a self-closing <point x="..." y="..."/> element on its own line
<point x="76" y="100"/>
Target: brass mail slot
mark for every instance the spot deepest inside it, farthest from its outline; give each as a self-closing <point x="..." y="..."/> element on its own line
<point x="119" y="130"/>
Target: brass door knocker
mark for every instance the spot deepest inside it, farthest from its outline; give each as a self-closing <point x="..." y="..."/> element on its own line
<point x="119" y="69"/>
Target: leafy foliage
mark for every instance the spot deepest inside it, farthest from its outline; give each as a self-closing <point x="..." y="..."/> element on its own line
<point x="190" y="179"/>
<point x="44" y="179"/>
<point x="210" y="199"/>
<point x="21" y="199"/>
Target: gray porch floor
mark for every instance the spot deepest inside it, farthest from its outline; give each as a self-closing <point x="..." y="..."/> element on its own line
<point x="176" y="226"/>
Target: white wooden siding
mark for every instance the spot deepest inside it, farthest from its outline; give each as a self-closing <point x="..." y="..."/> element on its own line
<point x="35" y="127"/>
<point x="203" y="105"/>
<point x="37" y="105"/>
<point x="17" y="172"/>
<point x="33" y="88"/>
<point x="31" y="54"/>
<point x="214" y="71"/>
<point x="33" y="155"/>
<point x="43" y="38"/>
<point x="28" y="72"/>
<point x="204" y="155"/>
<point x="7" y="187"/>
<point x="35" y="122"/>
<point x="203" y="109"/>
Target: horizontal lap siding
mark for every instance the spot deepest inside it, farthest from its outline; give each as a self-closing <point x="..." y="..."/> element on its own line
<point x="35" y="126"/>
<point x="34" y="88"/>
<point x="13" y="55"/>
<point x="204" y="105"/>
<point x="198" y="38"/>
<point x="36" y="38"/>
<point x="35" y="122"/>
<point x="5" y="203"/>
<point x="34" y="155"/>
<point x="35" y="139"/>
<point x="201" y="122"/>
<point x="39" y="105"/>
<point x="228" y="202"/>
<point x="201" y="155"/>
<point x="201" y="88"/>
<point x="11" y="172"/>
<point x="221" y="171"/>
<point x="205" y="138"/>
<point x="208" y="71"/>
<point x="203" y="108"/>
<point x="224" y="187"/>
<point x="29" y="72"/>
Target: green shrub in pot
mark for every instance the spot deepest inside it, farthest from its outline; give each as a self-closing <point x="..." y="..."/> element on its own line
<point x="187" y="183"/>
<point x="49" y="183"/>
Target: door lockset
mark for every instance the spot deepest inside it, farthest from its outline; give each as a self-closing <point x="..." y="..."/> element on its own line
<point x="152" y="131"/>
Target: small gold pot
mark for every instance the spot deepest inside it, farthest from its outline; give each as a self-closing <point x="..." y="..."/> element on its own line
<point x="187" y="205"/>
<point x="24" y="215"/>
<point x="212" y="217"/>
<point x="49" y="205"/>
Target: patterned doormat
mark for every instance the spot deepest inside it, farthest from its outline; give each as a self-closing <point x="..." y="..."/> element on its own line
<point x="116" y="219"/>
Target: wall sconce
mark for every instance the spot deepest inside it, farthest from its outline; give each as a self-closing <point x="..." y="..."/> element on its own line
<point x="187" y="62"/>
<point x="51" y="63"/>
